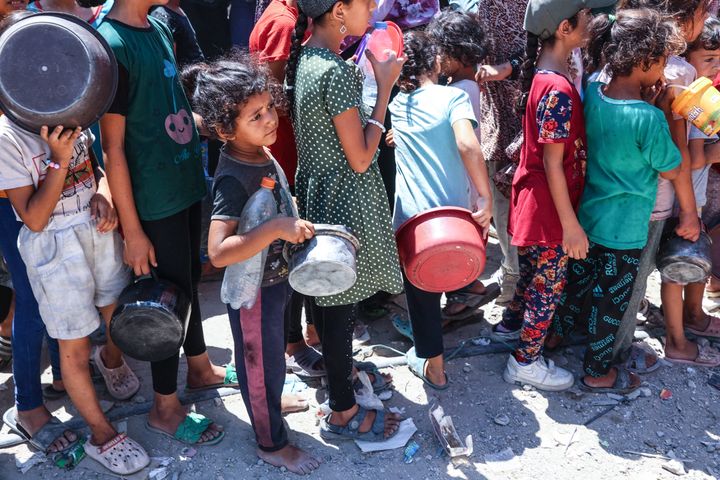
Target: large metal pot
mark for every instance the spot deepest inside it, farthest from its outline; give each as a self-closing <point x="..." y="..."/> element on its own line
<point x="442" y="249"/>
<point x="325" y="264"/>
<point x="682" y="261"/>
<point x="150" y="320"/>
<point x="55" y="69"/>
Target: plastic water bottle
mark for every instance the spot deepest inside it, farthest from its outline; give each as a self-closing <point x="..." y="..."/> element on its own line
<point x="380" y="41"/>
<point x="242" y="280"/>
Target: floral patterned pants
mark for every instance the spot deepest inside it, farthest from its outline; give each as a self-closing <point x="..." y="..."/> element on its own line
<point x="598" y="292"/>
<point x="542" y="279"/>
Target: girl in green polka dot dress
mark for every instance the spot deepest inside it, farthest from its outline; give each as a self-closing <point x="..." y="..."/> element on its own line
<point x="338" y="182"/>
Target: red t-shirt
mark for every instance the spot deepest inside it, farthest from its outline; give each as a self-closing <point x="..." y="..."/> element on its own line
<point x="554" y="115"/>
<point x="271" y="39"/>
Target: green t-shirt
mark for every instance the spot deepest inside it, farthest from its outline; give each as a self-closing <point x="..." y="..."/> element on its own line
<point x="161" y="142"/>
<point x="628" y="144"/>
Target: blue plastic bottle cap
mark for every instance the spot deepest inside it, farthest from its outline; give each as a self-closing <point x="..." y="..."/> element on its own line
<point x="380" y="26"/>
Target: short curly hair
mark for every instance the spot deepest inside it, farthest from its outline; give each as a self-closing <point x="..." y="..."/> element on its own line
<point x="421" y="60"/>
<point x="217" y="90"/>
<point x="634" y="38"/>
<point x="709" y="39"/>
<point x="458" y="35"/>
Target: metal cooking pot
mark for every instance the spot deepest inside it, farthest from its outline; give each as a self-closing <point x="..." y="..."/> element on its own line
<point x="682" y="261"/>
<point x="151" y="319"/>
<point x="55" y="69"/>
<point x="325" y="264"/>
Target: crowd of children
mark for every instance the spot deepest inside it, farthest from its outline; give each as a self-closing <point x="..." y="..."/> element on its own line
<point x="601" y="169"/>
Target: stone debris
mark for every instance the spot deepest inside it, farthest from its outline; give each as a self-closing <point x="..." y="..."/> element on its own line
<point x="675" y="467"/>
<point x="502" y="420"/>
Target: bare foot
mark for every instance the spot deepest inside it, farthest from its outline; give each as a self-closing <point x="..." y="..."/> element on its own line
<point x="681" y="351"/>
<point x="435" y="375"/>
<point x="208" y="374"/>
<point x="293" y="403"/>
<point x="311" y="335"/>
<point x="608" y="380"/>
<point x="169" y="418"/>
<point x="33" y="420"/>
<point x="291" y="457"/>
<point x="392" y="420"/>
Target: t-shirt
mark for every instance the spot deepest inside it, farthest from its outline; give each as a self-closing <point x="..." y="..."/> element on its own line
<point x="23" y="157"/>
<point x="677" y="72"/>
<point x="554" y="114"/>
<point x="473" y="90"/>
<point x="271" y="39"/>
<point x="95" y="20"/>
<point x="430" y="171"/>
<point x="235" y="182"/>
<point x="629" y="142"/>
<point x="187" y="50"/>
<point x="161" y="142"/>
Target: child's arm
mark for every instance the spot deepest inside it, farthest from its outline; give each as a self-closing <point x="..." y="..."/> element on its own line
<point x="575" y="242"/>
<point x="360" y="145"/>
<point x="36" y="206"/>
<point x="696" y="147"/>
<point x="225" y="247"/>
<point x="139" y="251"/>
<point x="493" y="73"/>
<point x="472" y="157"/>
<point x="712" y="153"/>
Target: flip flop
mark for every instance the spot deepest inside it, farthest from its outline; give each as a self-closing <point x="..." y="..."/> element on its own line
<point x="472" y="301"/>
<point x="190" y="431"/>
<point x="44" y="437"/>
<point x="303" y="363"/>
<point x="712" y="330"/>
<point x="637" y="362"/>
<point x="6" y="352"/>
<point x="706" y="357"/>
<point x="622" y="386"/>
<point x="229" y="381"/>
<point x="417" y="367"/>
<point x="403" y="326"/>
<point x="351" y="431"/>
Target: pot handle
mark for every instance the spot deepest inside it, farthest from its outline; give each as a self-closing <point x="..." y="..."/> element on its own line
<point x="290" y="248"/>
<point x="152" y="275"/>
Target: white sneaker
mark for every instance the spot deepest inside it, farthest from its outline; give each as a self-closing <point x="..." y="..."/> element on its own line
<point x="542" y="374"/>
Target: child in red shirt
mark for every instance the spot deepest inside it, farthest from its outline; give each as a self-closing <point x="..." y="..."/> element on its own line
<point x="547" y="187"/>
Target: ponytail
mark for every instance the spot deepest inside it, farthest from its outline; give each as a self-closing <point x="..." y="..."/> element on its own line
<point x="527" y="70"/>
<point x="301" y="27"/>
<point x="600" y="33"/>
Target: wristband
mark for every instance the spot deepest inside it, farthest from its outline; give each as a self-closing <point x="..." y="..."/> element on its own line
<point x="50" y="164"/>
<point x="379" y="125"/>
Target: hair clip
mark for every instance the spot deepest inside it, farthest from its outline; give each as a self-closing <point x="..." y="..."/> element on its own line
<point x="612" y="18"/>
<point x="412" y="77"/>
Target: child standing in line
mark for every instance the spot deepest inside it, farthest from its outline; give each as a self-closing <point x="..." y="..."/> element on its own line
<point x="338" y="182"/>
<point x="460" y="42"/>
<point x="689" y="17"/>
<point x="547" y="186"/>
<point x="236" y="99"/>
<point x="682" y="304"/>
<point x="73" y="257"/>
<point x="187" y="50"/>
<point x="629" y="144"/>
<point x="436" y="151"/>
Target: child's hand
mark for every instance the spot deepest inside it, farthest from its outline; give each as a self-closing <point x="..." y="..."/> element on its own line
<point x="493" y="73"/>
<point x="61" y="142"/>
<point x="390" y="138"/>
<point x="483" y="215"/>
<point x="294" y="230"/>
<point x="651" y="94"/>
<point x="387" y="72"/>
<point x="689" y="226"/>
<point x="103" y="211"/>
<point x="575" y="242"/>
<point x="139" y="253"/>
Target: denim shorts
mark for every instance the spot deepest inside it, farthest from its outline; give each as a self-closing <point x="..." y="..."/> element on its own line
<point x="72" y="271"/>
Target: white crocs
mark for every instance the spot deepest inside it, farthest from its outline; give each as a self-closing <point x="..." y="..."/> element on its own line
<point x="541" y="374"/>
<point x="121" y="455"/>
<point x="121" y="382"/>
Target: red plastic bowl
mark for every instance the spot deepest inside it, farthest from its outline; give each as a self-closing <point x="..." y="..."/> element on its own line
<point x="442" y="249"/>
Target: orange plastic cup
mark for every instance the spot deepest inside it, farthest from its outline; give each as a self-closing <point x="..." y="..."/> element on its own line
<point x="700" y="105"/>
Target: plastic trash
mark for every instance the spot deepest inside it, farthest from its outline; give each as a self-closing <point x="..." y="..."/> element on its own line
<point x="242" y="280"/>
<point x="410" y="451"/>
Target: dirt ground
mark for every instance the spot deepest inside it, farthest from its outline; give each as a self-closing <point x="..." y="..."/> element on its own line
<point x="517" y="433"/>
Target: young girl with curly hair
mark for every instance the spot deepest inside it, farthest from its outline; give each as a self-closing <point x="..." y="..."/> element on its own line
<point x="629" y="146"/>
<point x="236" y="99"/>
<point x="436" y="152"/>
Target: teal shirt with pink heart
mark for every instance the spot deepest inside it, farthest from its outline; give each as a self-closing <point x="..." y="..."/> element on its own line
<point x="161" y="141"/>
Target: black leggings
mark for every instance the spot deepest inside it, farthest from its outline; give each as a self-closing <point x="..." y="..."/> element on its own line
<point x="293" y="317"/>
<point x="425" y="318"/>
<point x="177" y="249"/>
<point x="335" y="327"/>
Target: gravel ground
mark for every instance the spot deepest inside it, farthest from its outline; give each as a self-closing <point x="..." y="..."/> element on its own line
<point x="517" y="433"/>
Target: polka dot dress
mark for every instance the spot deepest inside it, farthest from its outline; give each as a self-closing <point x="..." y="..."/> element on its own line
<point x="328" y="190"/>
